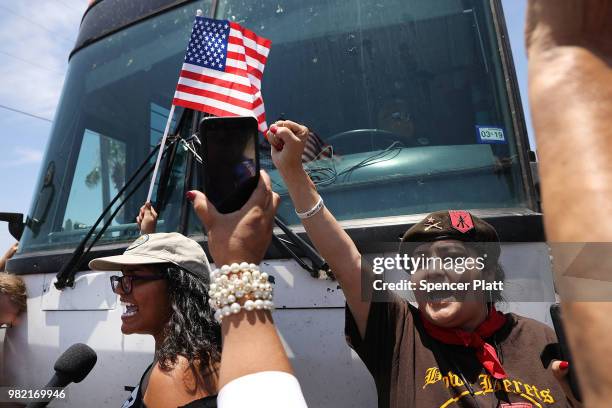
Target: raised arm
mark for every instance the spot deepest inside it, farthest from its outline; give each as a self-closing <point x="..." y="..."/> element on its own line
<point x="569" y="44"/>
<point x="250" y="342"/>
<point x="332" y="242"/>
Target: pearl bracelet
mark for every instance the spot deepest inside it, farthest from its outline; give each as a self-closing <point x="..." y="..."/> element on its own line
<point x="307" y="214"/>
<point x="231" y="284"/>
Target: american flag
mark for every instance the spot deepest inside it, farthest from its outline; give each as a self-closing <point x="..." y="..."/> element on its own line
<point x="315" y="149"/>
<point x="222" y="72"/>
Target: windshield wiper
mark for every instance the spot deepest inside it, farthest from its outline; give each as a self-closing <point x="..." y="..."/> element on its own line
<point x="317" y="265"/>
<point x="65" y="277"/>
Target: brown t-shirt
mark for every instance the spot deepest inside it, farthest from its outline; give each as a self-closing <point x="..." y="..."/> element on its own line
<point x="413" y="370"/>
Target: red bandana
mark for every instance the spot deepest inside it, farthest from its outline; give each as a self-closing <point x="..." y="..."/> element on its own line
<point x="484" y="351"/>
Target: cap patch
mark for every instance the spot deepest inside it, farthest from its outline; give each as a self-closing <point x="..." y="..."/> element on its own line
<point x="141" y="240"/>
<point x="431" y="222"/>
<point x="461" y="221"/>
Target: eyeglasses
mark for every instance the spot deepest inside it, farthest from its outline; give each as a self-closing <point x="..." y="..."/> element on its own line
<point x="126" y="282"/>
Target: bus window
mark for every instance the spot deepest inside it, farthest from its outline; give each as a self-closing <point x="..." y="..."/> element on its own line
<point x="408" y="100"/>
<point x="99" y="173"/>
<point x="113" y="108"/>
<point x="409" y="95"/>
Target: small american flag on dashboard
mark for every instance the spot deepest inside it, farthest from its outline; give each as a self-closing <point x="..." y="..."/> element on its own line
<point x="315" y="149"/>
<point x="222" y="72"/>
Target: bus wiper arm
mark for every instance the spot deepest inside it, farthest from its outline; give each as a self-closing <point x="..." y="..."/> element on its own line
<point x="65" y="277"/>
<point x="318" y="263"/>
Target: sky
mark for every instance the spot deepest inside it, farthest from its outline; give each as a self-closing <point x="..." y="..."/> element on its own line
<point x="34" y="50"/>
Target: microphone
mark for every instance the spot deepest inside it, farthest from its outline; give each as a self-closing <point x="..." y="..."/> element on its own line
<point x="71" y="367"/>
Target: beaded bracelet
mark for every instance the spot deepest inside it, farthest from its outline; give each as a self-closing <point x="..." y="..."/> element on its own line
<point x="236" y="283"/>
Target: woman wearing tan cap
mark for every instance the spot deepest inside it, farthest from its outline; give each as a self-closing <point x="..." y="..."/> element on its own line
<point x="163" y="286"/>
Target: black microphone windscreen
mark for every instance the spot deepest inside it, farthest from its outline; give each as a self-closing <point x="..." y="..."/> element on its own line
<point x="76" y="362"/>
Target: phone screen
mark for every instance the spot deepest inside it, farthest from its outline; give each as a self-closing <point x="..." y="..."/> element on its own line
<point x="231" y="160"/>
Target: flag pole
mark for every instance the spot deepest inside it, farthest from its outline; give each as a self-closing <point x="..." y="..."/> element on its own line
<point x="163" y="141"/>
<point x="160" y="153"/>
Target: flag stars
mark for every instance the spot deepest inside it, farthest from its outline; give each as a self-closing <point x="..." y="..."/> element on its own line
<point x="207" y="44"/>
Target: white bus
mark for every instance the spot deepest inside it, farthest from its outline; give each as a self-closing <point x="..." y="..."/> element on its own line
<point x="418" y="100"/>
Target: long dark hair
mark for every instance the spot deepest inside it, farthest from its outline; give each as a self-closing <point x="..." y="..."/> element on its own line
<point x="191" y="331"/>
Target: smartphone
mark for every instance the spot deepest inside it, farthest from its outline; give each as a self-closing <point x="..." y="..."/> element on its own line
<point x="230" y="152"/>
<point x="555" y="314"/>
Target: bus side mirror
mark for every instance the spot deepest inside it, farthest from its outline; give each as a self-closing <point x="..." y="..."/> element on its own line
<point x="15" y="223"/>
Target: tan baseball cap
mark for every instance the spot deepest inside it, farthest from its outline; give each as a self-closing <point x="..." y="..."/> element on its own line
<point x="159" y="248"/>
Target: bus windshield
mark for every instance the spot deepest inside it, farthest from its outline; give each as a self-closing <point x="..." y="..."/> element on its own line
<point x="407" y="102"/>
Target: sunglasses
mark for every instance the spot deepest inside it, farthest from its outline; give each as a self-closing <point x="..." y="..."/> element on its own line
<point x="126" y="282"/>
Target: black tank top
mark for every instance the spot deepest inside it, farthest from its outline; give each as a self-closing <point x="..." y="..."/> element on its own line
<point x="136" y="399"/>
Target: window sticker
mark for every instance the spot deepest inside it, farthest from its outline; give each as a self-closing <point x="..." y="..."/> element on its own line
<point x="490" y="134"/>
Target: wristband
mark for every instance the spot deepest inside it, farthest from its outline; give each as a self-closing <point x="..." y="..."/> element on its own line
<point x="307" y="214"/>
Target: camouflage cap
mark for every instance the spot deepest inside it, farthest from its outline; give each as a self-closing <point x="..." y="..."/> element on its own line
<point x="457" y="225"/>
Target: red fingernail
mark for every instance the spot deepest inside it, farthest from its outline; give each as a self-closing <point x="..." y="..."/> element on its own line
<point x="273" y="129"/>
<point x="563" y="365"/>
<point x="190" y="195"/>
